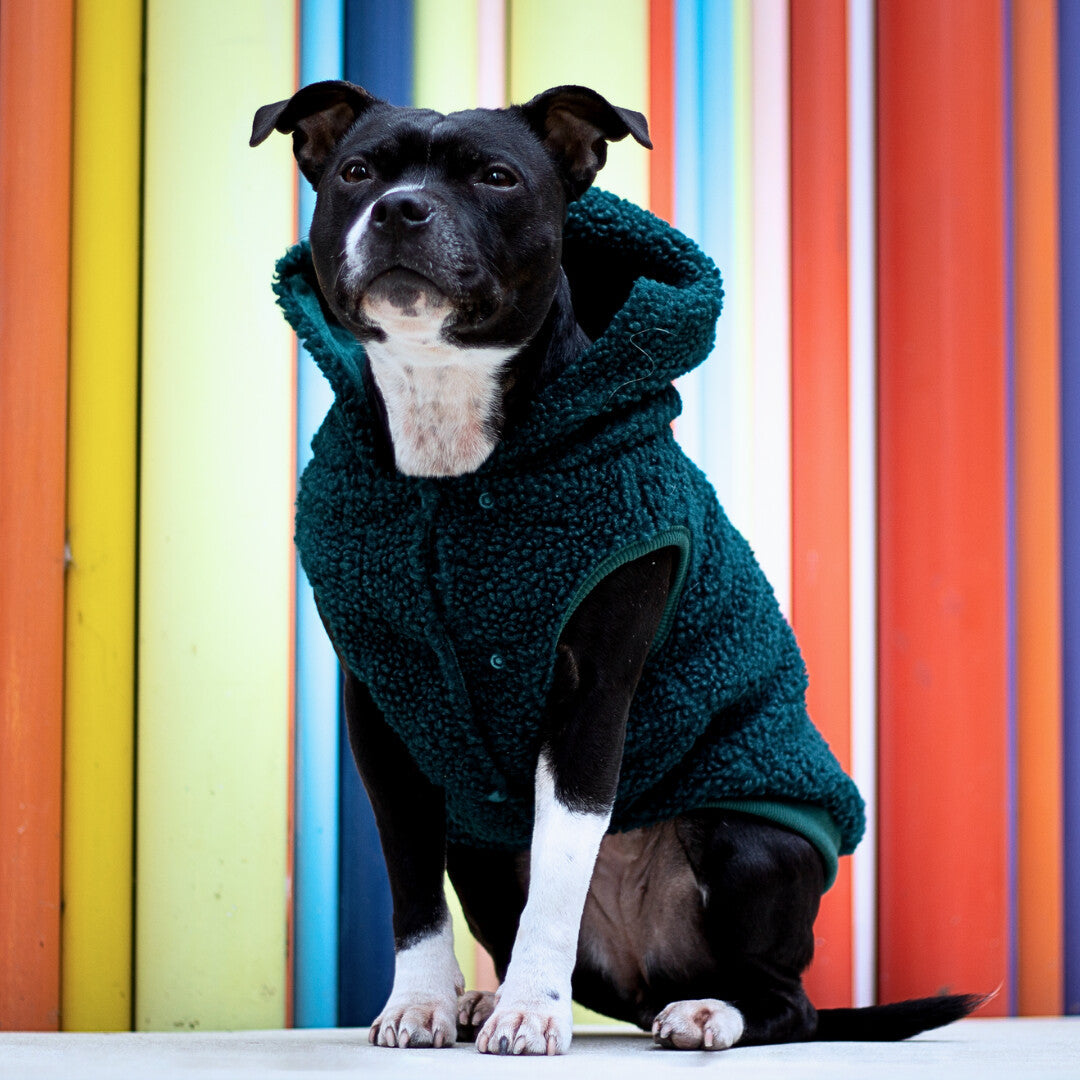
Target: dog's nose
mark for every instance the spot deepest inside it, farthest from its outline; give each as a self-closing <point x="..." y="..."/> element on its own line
<point x="401" y="210"/>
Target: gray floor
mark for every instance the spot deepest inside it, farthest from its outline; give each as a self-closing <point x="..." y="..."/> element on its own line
<point x="970" y="1050"/>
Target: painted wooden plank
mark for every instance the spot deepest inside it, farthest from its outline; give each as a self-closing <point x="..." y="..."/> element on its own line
<point x="35" y="128"/>
<point x="1069" y="193"/>
<point x="103" y="406"/>
<point x="446" y="54"/>
<point x="491" y="54"/>
<point x="217" y="466"/>
<point x="378" y="55"/>
<point x="820" y="422"/>
<point x="1038" y="494"/>
<point x="769" y="530"/>
<point x="690" y="427"/>
<point x="944" y="836"/>
<point x="318" y="720"/>
<point x="552" y="42"/>
<point x="661" y="112"/>
<point x="862" y="299"/>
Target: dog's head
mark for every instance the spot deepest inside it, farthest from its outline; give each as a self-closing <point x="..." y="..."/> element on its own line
<point x="452" y="221"/>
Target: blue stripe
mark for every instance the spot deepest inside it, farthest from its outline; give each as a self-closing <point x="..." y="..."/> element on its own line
<point x="379" y="57"/>
<point x="317" y="715"/>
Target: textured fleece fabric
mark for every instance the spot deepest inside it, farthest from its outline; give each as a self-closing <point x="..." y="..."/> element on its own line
<point x="446" y="596"/>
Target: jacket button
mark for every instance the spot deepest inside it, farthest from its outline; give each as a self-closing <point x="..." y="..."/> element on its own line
<point x="497" y="661"/>
<point x="486" y="500"/>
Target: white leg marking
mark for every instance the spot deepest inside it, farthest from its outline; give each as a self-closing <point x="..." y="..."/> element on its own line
<point x="705" y="1024"/>
<point x="422" y="1008"/>
<point x="533" y="1008"/>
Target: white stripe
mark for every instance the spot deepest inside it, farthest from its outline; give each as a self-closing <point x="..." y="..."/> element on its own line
<point x="863" y="350"/>
<point x="491" y="76"/>
<point x="770" y="534"/>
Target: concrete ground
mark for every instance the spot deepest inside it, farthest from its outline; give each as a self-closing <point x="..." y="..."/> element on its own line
<point x="971" y="1050"/>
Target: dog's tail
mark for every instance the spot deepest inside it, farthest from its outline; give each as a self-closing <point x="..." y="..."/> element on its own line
<point x="901" y="1020"/>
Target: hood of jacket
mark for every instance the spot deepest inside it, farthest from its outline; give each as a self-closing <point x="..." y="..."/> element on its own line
<point x="645" y="294"/>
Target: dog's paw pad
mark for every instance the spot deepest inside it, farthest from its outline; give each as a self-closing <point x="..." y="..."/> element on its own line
<point x="474" y="1008"/>
<point x="527" y="1027"/>
<point x="412" y="1022"/>
<point x="705" y="1024"/>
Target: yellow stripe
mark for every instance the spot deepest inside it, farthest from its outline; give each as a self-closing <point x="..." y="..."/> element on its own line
<point x="445" y="62"/>
<point x="602" y="44"/>
<point x="103" y="409"/>
<point x="215" y="512"/>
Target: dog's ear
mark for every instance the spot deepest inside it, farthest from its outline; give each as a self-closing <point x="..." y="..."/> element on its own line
<point x="575" y="124"/>
<point x="318" y="116"/>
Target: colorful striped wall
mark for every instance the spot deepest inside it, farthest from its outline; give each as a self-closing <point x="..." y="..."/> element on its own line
<point x="891" y="415"/>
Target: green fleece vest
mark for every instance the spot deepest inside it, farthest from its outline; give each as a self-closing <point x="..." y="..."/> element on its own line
<point x="446" y="596"/>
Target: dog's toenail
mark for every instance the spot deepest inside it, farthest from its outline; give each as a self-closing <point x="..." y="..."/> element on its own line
<point x="504" y="1045"/>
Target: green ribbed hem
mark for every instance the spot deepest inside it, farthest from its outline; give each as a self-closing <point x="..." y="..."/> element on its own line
<point x="678" y="537"/>
<point x="813" y="822"/>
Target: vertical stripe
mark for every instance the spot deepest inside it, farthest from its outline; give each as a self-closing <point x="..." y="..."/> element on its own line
<point x="770" y="529"/>
<point x="1010" y="508"/>
<point x="944" y="837"/>
<point x="379" y="56"/>
<point x="1069" y="190"/>
<point x="661" y="112"/>
<point x="35" y="179"/>
<point x="739" y="302"/>
<point x="689" y="139"/>
<point x="603" y="45"/>
<point x="821" y="534"/>
<point x="217" y="463"/>
<point x="491" y="54"/>
<point x="379" y="46"/>
<point x="1038" y="510"/>
<point x="317" y="719"/>
<point x="717" y="237"/>
<point x="446" y="57"/>
<point x="862" y="271"/>
<point x="103" y="404"/>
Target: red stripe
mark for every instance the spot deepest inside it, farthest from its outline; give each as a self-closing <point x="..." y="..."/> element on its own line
<point x="662" y="108"/>
<point x="35" y="191"/>
<point x="821" y="534"/>
<point x="943" y="602"/>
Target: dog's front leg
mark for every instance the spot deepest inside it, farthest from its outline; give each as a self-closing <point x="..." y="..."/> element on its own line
<point x="600" y="657"/>
<point x="411" y="816"/>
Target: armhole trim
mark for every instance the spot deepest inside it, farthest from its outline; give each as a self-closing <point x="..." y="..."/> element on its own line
<point x="678" y="537"/>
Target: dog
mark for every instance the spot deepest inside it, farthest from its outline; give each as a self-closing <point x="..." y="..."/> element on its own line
<point x="586" y="858"/>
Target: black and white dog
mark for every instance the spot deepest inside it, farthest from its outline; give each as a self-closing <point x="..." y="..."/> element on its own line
<point x="436" y="242"/>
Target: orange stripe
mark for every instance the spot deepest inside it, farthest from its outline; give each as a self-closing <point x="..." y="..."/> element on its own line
<point x="943" y="875"/>
<point x="821" y="533"/>
<point x="35" y="189"/>
<point x="662" y="108"/>
<point x="1038" y="511"/>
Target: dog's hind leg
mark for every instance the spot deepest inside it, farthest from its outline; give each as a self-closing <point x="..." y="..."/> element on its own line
<point x="762" y="885"/>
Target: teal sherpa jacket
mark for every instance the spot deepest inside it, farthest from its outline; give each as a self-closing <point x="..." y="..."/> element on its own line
<point x="446" y="596"/>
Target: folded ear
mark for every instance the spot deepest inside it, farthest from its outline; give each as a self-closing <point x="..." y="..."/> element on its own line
<point x="317" y="116"/>
<point x="575" y="124"/>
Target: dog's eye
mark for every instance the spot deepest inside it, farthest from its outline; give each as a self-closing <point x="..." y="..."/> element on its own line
<point x="354" y="172"/>
<point x="497" y="176"/>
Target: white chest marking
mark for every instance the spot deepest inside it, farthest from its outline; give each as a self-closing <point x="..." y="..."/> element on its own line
<point x="441" y="400"/>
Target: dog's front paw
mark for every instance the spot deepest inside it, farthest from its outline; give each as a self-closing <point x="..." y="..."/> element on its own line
<point x="474" y="1008"/>
<point x="522" y="1024"/>
<point x="705" y="1024"/>
<point x="416" y="1021"/>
